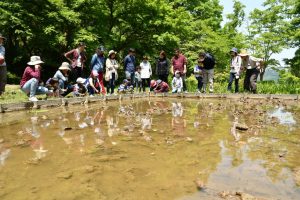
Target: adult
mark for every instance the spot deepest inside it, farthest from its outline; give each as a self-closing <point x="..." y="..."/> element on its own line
<point x="3" y="68"/>
<point x="208" y="63"/>
<point x="77" y="59"/>
<point x="129" y="66"/>
<point x="97" y="64"/>
<point x="62" y="75"/>
<point x="162" y="67"/>
<point x="111" y="74"/>
<point x="31" y="78"/>
<point x="235" y="69"/>
<point x="179" y="63"/>
<point x="146" y="72"/>
<point x="252" y="66"/>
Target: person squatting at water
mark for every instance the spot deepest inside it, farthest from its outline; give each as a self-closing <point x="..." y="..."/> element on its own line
<point x="31" y="79"/>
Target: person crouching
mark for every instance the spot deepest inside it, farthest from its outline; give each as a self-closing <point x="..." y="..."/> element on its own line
<point x="93" y="84"/>
<point x="177" y="84"/>
<point x="161" y="87"/>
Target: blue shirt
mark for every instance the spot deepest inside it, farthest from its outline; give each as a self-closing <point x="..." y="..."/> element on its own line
<point x="129" y="63"/>
<point x="97" y="63"/>
<point x="2" y="52"/>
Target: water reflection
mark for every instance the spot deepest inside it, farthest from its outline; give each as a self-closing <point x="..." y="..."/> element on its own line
<point x="132" y="144"/>
<point x="283" y="116"/>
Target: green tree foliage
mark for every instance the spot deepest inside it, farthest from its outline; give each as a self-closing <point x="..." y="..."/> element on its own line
<point x="268" y="31"/>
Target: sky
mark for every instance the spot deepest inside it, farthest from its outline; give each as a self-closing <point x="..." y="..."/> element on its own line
<point x="251" y="5"/>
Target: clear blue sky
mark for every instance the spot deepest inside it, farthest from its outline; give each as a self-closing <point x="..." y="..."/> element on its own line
<point x="251" y="5"/>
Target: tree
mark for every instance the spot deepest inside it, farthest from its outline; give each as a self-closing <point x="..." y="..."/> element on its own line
<point x="269" y="31"/>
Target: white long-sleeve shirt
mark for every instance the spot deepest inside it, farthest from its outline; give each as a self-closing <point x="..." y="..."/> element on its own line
<point x="235" y="64"/>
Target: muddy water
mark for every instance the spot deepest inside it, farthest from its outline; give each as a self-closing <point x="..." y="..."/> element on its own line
<point x="158" y="149"/>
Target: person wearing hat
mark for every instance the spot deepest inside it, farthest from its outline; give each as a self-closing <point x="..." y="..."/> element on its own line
<point x="111" y="74"/>
<point x="129" y="65"/>
<point x="97" y="64"/>
<point x="125" y="87"/>
<point x="93" y="86"/>
<point x="80" y="87"/>
<point x="252" y="66"/>
<point x="161" y="87"/>
<point x="208" y="63"/>
<point x="3" y="68"/>
<point x="77" y="59"/>
<point x="146" y="72"/>
<point x="62" y="75"/>
<point x="235" y="69"/>
<point x="31" y="78"/>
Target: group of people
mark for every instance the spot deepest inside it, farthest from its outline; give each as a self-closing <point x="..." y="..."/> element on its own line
<point x="69" y="77"/>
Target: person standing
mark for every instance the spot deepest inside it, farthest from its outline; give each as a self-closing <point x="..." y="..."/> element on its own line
<point x="97" y="64"/>
<point x="111" y="74"/>
<point x="235" y="68"/>
<point x="31" y="78"/>
<point x="179" y="63"/>
<point x="146" y="72"/>
<point x="162" y="67"/>
<point x="208" y="63"/>
<point x="129" y="66"/>
<point x="198" y="71"/>
<point x="77" y="59"/>
<point x="3" y="68"/>
<point x="252" y="66"/>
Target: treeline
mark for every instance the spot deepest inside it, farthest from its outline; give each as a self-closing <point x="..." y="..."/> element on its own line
<point x="49" y="28"/>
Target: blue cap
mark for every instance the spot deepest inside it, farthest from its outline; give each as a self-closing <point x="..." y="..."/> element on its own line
<point x="235" y="50"/>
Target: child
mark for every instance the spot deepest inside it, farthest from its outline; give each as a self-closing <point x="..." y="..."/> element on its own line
<point x="138" y="79"/>
<point x="199" y="75"/>
<point x="79" y="88"/>
<point x="53" y="85"/>
<point x="177" y="83"/>
<point x="125" y="87"/>
<point x="93" y="85"/>
<point x="161" y="87"/>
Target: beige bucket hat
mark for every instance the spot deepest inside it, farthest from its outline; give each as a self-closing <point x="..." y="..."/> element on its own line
<point x="35" y="60"/>
<point x="64" y="66"/>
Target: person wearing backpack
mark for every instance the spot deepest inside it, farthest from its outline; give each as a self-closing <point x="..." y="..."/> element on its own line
<point x="97" y="65"/>
<point x="208" y="63"/>
<point x="235" y="68"/>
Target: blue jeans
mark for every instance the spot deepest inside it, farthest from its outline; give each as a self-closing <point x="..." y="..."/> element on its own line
<point x="32" y="88"/>
<point x="236" y="81"/>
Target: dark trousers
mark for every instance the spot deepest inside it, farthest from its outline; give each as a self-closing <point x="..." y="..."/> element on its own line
<point x="76" y="73"/>
<point x="250" y="80"/>
<point x="111" y="84"/>
<point x="200" y="82"/>
<point x="163" y="77"/>
<point x="138" y="85"/>
<point x="232" y="78"/>
<point x="3" y="78"/>
<point x="68" y="91"/>
<point x="183" y="81"/>
<point x="145" y="83"/>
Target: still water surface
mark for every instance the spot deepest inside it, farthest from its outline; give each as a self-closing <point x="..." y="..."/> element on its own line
<point x="153" y="149"/>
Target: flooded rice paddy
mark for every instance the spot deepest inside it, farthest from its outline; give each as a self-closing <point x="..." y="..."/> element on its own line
<point x="153" y="149"/>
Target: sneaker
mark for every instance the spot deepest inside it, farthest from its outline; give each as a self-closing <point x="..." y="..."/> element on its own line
<point x="91" y="95"/>
<point x="33" y="99"/>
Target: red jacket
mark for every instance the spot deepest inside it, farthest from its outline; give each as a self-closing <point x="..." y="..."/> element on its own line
<point x="29" y="73"/>
<point x="162" y="87"/>
<point x="73" y="55"/>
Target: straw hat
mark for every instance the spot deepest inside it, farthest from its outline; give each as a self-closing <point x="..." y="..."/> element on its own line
<point x="244" y="53"/>
<point x="35" y="60"/>
<point x="111" y="52"/>
<point x="64" y="66"/>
